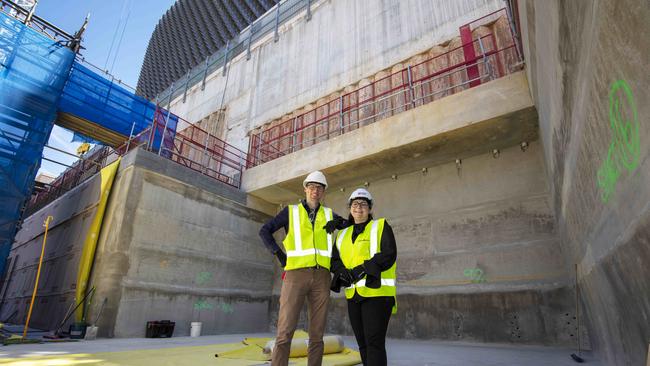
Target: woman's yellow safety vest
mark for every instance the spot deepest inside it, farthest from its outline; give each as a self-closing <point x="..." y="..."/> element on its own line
<point x="365" y="247"/>
<point x="308" y="245"/>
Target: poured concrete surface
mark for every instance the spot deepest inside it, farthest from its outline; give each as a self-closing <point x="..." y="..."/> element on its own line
<point x="344" y="42"/>
<point x="176" y="245"/>
<point x="478" y="256"/>
<point x="578" y="55"/>
<point x="400" y="352"/>
<point x="501" y="115"/>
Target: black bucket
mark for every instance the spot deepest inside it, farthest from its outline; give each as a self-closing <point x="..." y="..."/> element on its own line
<point x="78" y="330"/>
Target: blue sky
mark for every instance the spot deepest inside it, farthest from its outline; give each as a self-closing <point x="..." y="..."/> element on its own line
<point x="108" y="19"/>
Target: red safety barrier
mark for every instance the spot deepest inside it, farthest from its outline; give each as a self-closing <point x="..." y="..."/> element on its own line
<point x="485" y="58"/>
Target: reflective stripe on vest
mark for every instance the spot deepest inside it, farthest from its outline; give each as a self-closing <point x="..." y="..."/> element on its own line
<point x="307" y="254"/>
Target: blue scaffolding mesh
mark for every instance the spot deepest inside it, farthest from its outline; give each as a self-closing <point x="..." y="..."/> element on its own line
<point x="33" y="71"/>
<point x="104" y="102"/>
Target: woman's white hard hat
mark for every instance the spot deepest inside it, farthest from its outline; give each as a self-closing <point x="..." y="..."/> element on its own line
<point x="360" y="193"/>
<point x="315" y="177"/>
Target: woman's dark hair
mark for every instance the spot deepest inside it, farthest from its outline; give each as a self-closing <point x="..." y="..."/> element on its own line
<point x="351" y="219"/>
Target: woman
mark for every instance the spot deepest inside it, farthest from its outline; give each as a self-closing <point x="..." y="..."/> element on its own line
<point x="364" y="262"/>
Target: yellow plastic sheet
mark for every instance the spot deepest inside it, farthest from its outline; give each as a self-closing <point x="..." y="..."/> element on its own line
<point x="247" y="353"/>
<point x="90" y="243"/>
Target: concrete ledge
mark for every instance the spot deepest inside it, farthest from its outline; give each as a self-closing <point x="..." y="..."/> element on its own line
<point x="491" y="116"/>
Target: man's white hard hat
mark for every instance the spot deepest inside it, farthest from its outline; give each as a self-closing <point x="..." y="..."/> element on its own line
<point x="315" y="177"/>
<point x="360" y="193"/>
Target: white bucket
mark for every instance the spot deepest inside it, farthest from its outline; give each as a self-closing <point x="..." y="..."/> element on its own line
<point x="195" y="329"/>
<point x="91" y="332"/>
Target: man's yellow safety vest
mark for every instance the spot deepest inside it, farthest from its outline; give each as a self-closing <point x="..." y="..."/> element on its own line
<point x="366" y="245"/>
<point x="308" y="245"/>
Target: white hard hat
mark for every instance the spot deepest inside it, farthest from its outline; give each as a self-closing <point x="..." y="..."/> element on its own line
<point x="360" y="193"/>
<point x="315" y="177"/>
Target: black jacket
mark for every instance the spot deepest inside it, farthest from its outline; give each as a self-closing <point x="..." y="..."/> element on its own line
<point x="281" y="220"/>
<point x="373" y="266"/>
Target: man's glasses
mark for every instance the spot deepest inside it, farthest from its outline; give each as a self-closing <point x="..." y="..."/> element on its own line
<point x="360" y="204"/>
<point x="315" y="187"/>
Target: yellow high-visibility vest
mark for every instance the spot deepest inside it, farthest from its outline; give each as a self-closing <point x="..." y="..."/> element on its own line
<point x="365" y="247"/>
<point x="308" y="245"/>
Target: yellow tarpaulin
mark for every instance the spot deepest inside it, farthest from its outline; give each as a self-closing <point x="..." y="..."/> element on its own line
<point x="247" y="353"/>
<point x="90" y="243"/>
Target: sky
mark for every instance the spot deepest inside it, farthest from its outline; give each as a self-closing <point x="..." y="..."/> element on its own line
<point x="131" y="20"/>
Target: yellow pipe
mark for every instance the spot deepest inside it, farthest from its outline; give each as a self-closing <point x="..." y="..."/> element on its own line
<point x="38" y="275"/>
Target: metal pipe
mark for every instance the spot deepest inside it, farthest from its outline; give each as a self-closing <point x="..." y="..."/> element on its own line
<point x="38" y="274"/>
<point x="250" y="39"/>
<point x="28" y="19"/>
<point x="187" y="82"/>
<point x="162" y="138"/>
<point x="276" y="37"/>
<point x="205" y="72"/>
<point x="205" y="149"/>
<point x="128" y="143"/>
<point x="410" y="77"/>
<point x="57" y="162"/>
<point x="513" y="32"/>
<point x="341" y="114"/>
<point x="308" y="10"/>
<point x="293" y="139"/>
<point x="485" y="59"/>
<point x="225" y="60"/>
<point x="70" y="154"/>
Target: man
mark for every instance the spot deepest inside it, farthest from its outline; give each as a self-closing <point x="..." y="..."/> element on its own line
<point x="309" y="246"/>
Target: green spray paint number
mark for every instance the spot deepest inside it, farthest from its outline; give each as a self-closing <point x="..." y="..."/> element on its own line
<point x="624" y="150"/>
<point x="203" y="277"/>
<point x="475" y="274"/>
<point x="226" y="308"/>
<point x="203" y="305"/>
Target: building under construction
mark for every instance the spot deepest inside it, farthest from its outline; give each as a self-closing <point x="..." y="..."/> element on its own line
<point x="502" y="139"/>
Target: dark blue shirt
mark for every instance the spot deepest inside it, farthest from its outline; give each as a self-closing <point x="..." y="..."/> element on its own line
<point x="280" y="221"/>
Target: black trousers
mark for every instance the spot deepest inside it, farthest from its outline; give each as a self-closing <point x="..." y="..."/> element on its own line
<point x="369" y="318"/>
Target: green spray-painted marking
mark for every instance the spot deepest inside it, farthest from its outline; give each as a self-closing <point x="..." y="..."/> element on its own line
<point x="475" y="274"/>
<point x="226" y="308"/>
<point x="624" y="150"/>
<point x="203" y="305"/>
<point x="203" y="277"/>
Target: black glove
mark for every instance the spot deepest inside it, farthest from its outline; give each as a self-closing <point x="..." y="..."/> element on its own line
<point x="342" y="278"/>
<point x="282" y="258"/>
<point x="357" y="273"/>
<point x="337" y="223"/>
<point x="345" y="278"/>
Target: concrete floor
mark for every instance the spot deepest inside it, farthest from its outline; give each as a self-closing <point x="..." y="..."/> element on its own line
<point x="400" y="352"/>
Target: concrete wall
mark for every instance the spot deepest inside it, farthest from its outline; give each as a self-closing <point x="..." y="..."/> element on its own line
<point x="478" y="254"/>
<point x="502" y="115"/>
<point x="344" y="42"/>
<point x="580" y="54"/>
<point x="179" y="246"/>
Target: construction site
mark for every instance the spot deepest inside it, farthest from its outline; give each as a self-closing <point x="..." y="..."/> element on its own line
<point x="503" y="140"/>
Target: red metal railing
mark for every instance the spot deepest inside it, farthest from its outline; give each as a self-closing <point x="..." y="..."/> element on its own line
<point x="184" y="143"/>
<point x="494" y="56"/>
<point x="193" y="147"/>
<point x="78" y="173"/>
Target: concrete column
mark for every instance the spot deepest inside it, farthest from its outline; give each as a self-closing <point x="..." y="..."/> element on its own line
<point x="309" y="117"/>
<point x="382" y="85"/>
<point x="366" y="108"/>
<point x="456" y="56"/>
<point x="350" y="98"/>
<point x="334" y="108"/>
<point x="399" y="77"/>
